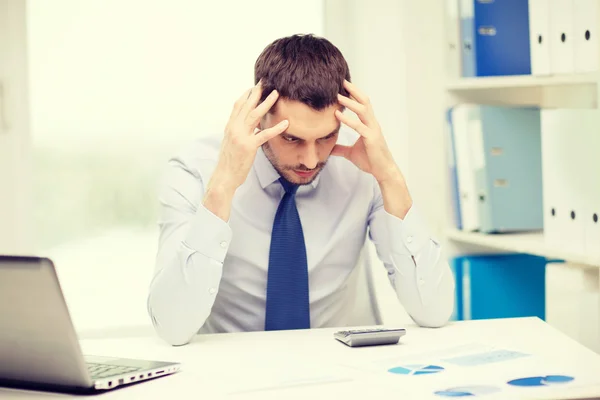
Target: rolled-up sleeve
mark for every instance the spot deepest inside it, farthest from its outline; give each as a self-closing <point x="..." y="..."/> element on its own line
<point x="193" y="243"/>
<point x="417" y="270"/>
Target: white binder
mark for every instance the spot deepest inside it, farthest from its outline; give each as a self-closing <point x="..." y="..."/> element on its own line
<point x="464" y="167"/>
<point x="591" y="175"/>
<point x="585" y="13"/>
<point x="573" y="302"/>
<point x="539" y="36"/>
<point x="562" y="163"/>
<point x="453" y="42"/>
<point x="562" y="38"/>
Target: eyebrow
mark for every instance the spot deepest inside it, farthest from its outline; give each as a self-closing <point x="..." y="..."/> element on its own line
<point x="323" y="137"/>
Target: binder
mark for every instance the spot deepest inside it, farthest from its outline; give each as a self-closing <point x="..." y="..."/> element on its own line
<point x="453" y="45"/>
<point x="563" y="131"/>
<point x="508" y="168"/>
<point x="539" y="36"/>
<point x="501" y="286"/>
<point x="464" y="169"/>
<point x="452" y="172"/>
<point x="590" y="173"/>
<point x="562" y="38"/>
<point x="573" y="302"/>
<point x="467" y="37"/>
<point x="586" y="35"/>
<point x="499" y="33"/>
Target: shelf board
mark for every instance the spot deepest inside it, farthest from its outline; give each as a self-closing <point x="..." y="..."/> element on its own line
<point x="521" y="81"/>
<point x="530" y="243"/>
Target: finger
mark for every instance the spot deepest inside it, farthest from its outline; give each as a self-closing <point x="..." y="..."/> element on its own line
<point x="357" y="94"/>
<point x="237" y="106"/>
<point x="252" y="100"/>
<point x="358" y="126"/>
<point x="267" y="134"/>
<point x="255" y="115"/>
<point x="341" y="150"/>
<point x="362" y="111"/>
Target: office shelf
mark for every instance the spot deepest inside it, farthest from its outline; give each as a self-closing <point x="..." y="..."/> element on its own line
<point x="531" y="243"/>
<point x="521" y="81"/>
<point x="556" y="91"/>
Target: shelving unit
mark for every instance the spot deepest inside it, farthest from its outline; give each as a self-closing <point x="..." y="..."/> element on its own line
<point x="530" y="243"/>
<point x="577" y="90"/>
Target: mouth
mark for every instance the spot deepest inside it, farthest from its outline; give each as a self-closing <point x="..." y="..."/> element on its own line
<point x="305" y="174"/>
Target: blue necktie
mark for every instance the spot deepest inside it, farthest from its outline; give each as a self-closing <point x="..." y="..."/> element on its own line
<point x="287" y="285"/>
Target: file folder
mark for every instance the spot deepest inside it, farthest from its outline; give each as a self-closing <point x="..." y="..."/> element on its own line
<point x="564" y="167"/>
<point x="586" y="35"/>
<point x="508" y="168"/>
<point x="452" y="172"/>
<point x="539" y="36"/>
<point x="467" y="37"/>
<point x="465" y="176"/>
<point x="590" y="173"/>
<point x="573" y="302"/>
<point x="453" y="45"/>
<point x="495" y="36"/>
<point x="562" y="38"/>
<point x="501" y="286"/>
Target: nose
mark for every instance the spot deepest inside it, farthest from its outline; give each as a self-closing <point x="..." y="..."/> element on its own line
<point x="310" y="156"/>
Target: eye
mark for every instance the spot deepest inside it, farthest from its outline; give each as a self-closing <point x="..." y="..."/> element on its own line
<point x="289" y="139"/>
<point x="327" y="137"/>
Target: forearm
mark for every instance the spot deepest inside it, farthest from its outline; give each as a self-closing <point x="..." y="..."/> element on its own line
<point x="425" y="286"/>
<point x="219" y="196"/>
<point x="396" y="197"/>
<point x="182" y="295"/>
<point x="189" y="270"/>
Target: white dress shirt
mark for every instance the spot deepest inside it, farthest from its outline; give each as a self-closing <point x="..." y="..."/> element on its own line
<point x="211" y="275"/>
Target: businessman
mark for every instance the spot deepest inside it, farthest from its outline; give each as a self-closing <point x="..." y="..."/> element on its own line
<point x="261" y="227"/>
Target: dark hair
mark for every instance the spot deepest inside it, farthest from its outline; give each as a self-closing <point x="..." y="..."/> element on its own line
<point x="304" y="68"/>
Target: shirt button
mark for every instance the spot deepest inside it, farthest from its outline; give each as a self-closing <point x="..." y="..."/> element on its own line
<point x="223" y="244"/>
<point x="421" y="282"/>
<point x="212" y="290"/>
<point x="409" y="239"/>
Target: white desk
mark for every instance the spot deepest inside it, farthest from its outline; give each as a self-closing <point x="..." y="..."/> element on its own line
<point x="233" y="364"/>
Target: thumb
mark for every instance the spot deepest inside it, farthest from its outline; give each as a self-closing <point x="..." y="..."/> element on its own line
<point x="341" y="151"/>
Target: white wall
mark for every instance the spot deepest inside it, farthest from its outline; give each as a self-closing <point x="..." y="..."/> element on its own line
<point x="148" y="71"/>
<point x="14" y="130"/>
<point x="116" y="87"/>
<point x="395" y="52"/>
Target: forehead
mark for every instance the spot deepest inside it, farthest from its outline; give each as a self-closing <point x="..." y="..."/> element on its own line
<point x="304" y="121"/>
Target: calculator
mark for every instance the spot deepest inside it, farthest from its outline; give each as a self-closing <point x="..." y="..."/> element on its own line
<point x="370" y="337"/>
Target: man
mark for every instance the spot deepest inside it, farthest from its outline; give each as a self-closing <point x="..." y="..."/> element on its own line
<point x="262" y="230"/>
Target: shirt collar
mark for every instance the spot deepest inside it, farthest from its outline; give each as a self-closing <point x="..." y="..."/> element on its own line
<point x="267" y="174"/>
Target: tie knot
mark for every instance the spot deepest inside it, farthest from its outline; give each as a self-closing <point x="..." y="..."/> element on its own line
<point x="288" y="186"/>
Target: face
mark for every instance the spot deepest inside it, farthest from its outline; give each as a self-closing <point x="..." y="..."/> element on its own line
<point x="300" y="153"/>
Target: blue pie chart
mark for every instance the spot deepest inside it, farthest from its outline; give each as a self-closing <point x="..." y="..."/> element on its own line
<point x="548" y="380"/>
<point x="467" y="391"/>
<point x="416" y="369"/>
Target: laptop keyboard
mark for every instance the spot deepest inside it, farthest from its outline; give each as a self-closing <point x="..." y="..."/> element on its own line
<point x="100" y="371"/>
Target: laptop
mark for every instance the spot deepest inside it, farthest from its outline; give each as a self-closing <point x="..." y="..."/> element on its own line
<point x="39" y="347"/>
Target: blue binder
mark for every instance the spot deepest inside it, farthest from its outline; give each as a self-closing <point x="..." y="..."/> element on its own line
<point x="495" y="37"/>
<point x="452" y="172"/>
<point x="508" y="175"/>
<point x="500" y="286"/>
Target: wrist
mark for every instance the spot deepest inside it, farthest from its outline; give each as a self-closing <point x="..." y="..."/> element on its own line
<point x="397" y="200"/>
<point x="218" y="198"/>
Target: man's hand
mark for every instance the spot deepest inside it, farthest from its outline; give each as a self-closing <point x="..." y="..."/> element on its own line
<point x="371" y="154"/>
<point x="238" y="149"/>
<point x="241" y="140"/>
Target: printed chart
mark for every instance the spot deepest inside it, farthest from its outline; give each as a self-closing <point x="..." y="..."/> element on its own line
<point x="416" y="369"/>
<point x="467" y="391"/>
<point x="548" y="380"/>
